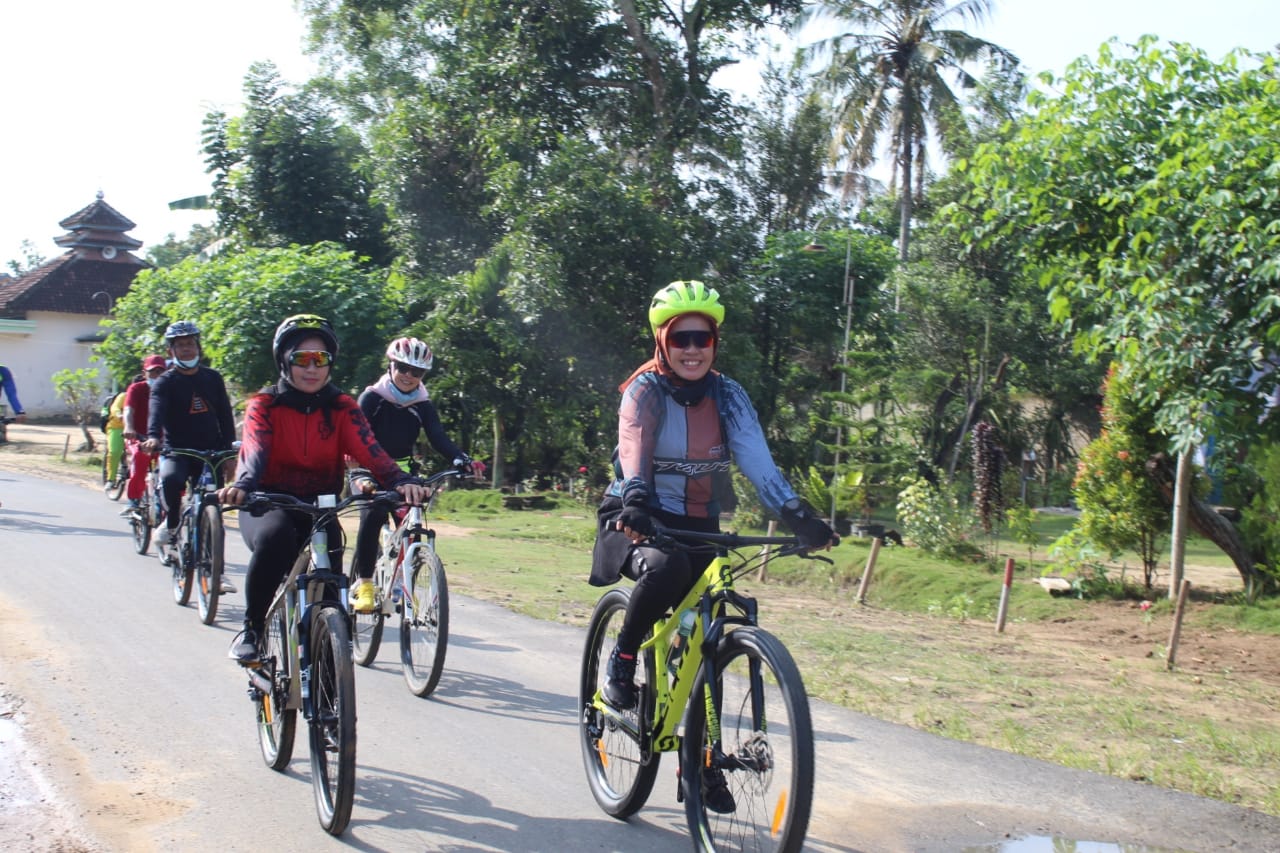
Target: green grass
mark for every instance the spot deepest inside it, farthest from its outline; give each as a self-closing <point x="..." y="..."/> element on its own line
<point x="921" y="652"/>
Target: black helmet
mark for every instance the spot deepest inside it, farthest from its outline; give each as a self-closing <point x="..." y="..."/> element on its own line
<point x="181" y="329"/>
<point x="297" y="327"/>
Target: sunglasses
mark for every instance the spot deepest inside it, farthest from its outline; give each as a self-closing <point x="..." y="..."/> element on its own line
<point x="692" y="338"/>
<point x="310" y="358"/>
<point x="401" y="367"/>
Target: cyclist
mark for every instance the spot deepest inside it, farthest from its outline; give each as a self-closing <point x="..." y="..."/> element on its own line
<point x="679" y="423"/>
<point x="398" y="408"/>
<point x="137" y="409"/>
<point x="189" y="408"/>
<point x="297" y="435"/>
<point x="114" y="428"/>
<point x="10" y="390"/>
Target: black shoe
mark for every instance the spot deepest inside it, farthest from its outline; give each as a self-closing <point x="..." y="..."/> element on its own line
<point x="620" y="681"/>
<point x="716" y="795"/>
<point x="244" y="648"/>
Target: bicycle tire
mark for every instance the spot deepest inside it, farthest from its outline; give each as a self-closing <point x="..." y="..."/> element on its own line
<point x="333" y="719"/>
<point x="141" y="529"/>
<point x="366" y="628"/>
<point x="277" y="722"/>
<point x="767" y="737"/>
<point x="424" y="624"/>
<point x="620" y="768"/>
<point x="182" y="565"/>
<point x="209" y="563"/>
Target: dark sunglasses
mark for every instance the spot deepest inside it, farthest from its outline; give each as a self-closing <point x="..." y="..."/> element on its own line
<point x="310" y="358"/>
<point x="401" y="367"/>
<point x="692" y="338"/>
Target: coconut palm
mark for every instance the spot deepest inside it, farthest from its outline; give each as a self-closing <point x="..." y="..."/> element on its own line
<point x="886" y="74"/>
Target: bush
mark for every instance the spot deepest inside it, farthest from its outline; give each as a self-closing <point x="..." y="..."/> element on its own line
<point x="933" y="519"/>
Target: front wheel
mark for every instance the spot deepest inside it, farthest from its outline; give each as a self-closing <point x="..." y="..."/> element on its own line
<point x="183" y="571"/>
<point x="209" y="563"/>
<point x="621" y="768"/>
<point x="755" y="793"/>
<point x="276" y="720"/>
<point x="424" y="623"/>
<point x="333" y="720"/>
<point x="141" y="529"/>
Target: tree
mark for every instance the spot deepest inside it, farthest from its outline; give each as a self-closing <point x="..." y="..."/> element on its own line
<point x="238" y="298"/>
<point x="174" y="250"/>
<point x="80" y="390"/>
<point x="1144" y="194"/>
<point x="31" y="258"/>
<point x="1120" y="508"/>
<point x="286" y="173"/>
<point x="887" y="73"/>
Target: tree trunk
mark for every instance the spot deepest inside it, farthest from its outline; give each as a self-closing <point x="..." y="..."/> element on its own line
<point x="1205" y="520"/>
<point x="499" y="450"/>
<point x="1178" y="539"/>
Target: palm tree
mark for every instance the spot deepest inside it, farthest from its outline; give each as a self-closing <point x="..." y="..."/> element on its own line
<point x="886" y="73"/>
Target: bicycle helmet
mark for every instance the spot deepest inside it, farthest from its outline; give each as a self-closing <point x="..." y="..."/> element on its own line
<point x="181" y="329"/>
<point x="684" y="297"/>
<point x="410" y="351"/>
<point x="297" y="327"/>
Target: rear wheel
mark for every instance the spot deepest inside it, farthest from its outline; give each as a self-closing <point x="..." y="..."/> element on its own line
<point x="276" y="720"/>
<point x="766" y="757"/>
<point x="366" y="628"/>
<point x="209" y="563"/>
<point x="620" y="769"/>
<point x="424" y="623"/>
<point x="333" y="723"/>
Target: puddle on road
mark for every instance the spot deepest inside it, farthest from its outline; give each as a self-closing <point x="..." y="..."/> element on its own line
<point x="1047" y="844"/>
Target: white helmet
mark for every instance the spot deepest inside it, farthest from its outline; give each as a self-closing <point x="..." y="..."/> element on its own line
<point x="410" y="351"/>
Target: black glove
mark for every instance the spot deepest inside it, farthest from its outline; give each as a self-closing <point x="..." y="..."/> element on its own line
<point x="637" y="518"/>
<point x="811" y="530"/>
<point x="463" y="464"/>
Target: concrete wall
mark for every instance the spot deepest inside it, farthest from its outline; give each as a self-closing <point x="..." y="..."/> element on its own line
<point x="37" y="348"/>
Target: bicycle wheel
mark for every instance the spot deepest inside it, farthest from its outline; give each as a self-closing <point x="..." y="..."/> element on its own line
<point x="767" y="740"/>
<point x="209" y="563"/>
<point x="366" y="628"/>
<point x="621" y="768"/>
<point x="141" y="529"/>
<point x="424" y="624"/>
<point x="276" y="720"/>
<point x="181" y="565"/>
<point x="333" y="720"/>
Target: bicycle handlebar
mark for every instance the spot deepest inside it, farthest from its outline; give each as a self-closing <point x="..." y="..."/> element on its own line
<point x="791" y="545"/>
<point x="212" y="457"/>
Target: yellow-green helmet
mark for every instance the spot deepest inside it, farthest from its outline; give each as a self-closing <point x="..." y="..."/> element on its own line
<point x="684" y="297"/>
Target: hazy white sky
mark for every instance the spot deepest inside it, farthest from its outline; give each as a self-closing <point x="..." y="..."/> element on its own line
<point x="110" y="96"/>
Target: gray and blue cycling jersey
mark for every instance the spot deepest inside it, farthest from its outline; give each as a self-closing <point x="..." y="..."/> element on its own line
<point x="682" y="453"/>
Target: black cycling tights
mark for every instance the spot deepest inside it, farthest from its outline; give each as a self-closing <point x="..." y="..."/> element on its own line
<point x="275" y="538"/>
<point x="664" y="578"/>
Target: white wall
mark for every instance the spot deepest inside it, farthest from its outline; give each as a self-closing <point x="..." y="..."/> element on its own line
<point x="34" y="357"/>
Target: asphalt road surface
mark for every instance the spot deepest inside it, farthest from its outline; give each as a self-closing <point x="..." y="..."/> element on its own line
<point x="125" y="720"/>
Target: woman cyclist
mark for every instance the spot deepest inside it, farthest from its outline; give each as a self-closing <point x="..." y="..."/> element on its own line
<point x="297" y="435"/>
<point x="398" y="408"/>
<point x="679" y="423"/>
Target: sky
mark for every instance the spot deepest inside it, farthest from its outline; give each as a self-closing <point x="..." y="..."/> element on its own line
<point x="110" y="97"/>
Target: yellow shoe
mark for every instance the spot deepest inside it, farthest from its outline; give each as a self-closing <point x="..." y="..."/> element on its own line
<point x="362" y="597"/>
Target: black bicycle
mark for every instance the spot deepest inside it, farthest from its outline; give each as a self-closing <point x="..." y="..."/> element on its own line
<point x="113" y="483"/>
<point x="199" y="537"/>
<point x="305" y="662"/>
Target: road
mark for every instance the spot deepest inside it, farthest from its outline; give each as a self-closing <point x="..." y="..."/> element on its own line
<point x="136" y="727"/>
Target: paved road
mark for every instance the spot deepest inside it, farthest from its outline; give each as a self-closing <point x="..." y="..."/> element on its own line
<point x="140" y="726"/>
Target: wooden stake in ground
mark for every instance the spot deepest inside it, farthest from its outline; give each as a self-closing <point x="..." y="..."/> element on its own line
<point x="1175" y="633"/>
<point x="763" y="574"/>
<point x="1004" y="595"/>
<point x="866" y="573"/>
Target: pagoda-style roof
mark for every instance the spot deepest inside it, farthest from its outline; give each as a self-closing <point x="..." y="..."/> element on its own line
<point x="88" y="279"/>
<point x="98" y="226"/>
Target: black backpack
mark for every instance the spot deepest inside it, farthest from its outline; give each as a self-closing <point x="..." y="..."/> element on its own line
<point x="105" y="411"/>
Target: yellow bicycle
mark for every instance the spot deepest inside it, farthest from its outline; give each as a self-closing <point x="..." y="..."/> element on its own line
<point x="717" y="689"/>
